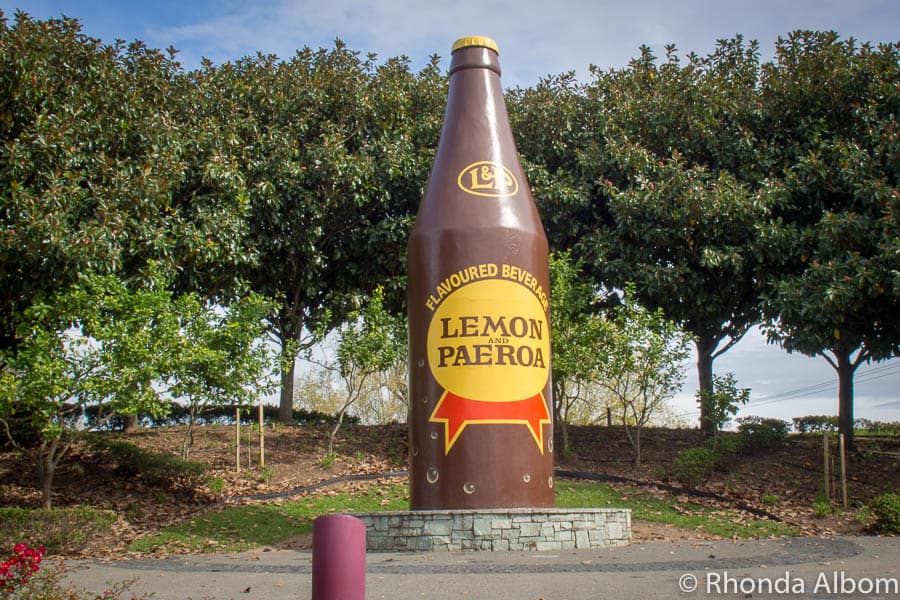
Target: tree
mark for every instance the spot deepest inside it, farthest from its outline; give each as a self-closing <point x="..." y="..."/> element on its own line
<point x="641" y="363"/>
<point x="96" y="168"/>
<point x="333" y="152"/>
<point x="724" y="400"/>
<point x="99" y="343"/>
<point x="557" y="130"/>
<point x="684" y="209"/>
<point x="577" y="337"/>
<point x="99" y="170"/>
<point x="220" y="357"/>
<point x="386" y="401"/>
<point x="831" y="123"/>
<point x="371" y="342"/>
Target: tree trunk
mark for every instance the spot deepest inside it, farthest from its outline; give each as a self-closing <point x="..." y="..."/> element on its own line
<point x="564" y="430"/>
<point x="559" y="424"/>
<point x="47" y="457"/>
<point x="286" y="404"/>
<point x="846" y="370"/>
<point x="637" y="446"/>
<point x="334" y="432"/>
<point x="705" y="379"/>
<point x="187" y="443"/>
<point x="131" y="423"/>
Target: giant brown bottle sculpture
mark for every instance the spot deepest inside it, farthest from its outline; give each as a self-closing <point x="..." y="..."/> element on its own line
<point x="479" y="345"/>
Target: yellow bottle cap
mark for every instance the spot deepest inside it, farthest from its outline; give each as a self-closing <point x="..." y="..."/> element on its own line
<point x="478" y="41"/>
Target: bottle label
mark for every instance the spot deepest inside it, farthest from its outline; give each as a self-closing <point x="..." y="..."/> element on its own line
<point x="489" y="348"/>
<point x="487" y="178"/>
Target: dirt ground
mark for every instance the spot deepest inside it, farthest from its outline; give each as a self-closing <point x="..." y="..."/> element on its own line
<point x="782" y="482"/>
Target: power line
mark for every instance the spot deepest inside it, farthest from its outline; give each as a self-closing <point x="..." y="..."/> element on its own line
<point x="827" y="386"/>
<point x="831" y="385"/>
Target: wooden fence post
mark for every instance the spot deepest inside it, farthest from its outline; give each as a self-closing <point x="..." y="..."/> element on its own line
<point x="827" y="470"/>
<point x="237" y="439"/>
<point x="844" y="471"/>
<point x="262" y="439"/>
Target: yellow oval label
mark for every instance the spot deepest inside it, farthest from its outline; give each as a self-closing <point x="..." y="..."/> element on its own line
<point x="487" y="178"/>
<point x="489" y="341"/>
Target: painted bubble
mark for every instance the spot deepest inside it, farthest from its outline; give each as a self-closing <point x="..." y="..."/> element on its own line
<point x="431" y="475"/>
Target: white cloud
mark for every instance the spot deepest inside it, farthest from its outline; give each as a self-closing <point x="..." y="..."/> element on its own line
<point x="536" y="38"/>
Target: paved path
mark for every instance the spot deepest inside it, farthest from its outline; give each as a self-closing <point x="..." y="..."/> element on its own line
<point x="644" y="570"/>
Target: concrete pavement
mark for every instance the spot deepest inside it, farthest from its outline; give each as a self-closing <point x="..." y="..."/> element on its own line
<point x="842" y="567"/>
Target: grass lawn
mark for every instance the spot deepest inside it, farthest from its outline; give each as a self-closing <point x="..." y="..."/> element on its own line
<point x="242" y="527"/>
<point x="647" y="507"/>
<point x="247" y="526"/>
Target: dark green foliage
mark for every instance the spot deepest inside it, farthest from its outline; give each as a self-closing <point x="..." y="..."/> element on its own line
<point x="724" y="447"/>
<point x="721" y="403"/>
<point x="886" y="509"/>
<point x="155" y="468"/>
<point x="59" y="530"/>
<point x="830" y="125"/>
<point x="818" y="423"/>
<point x="890" y="428"/>
<point x="693" y="466"/>
<point x="815" y="423"/>
<point x="177" y="414"/>
<point x="97" y="168"/>
<point x="759" y="434"/>
<point x="728" y="190"/>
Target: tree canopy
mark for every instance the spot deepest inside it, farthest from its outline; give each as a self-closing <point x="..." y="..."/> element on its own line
<point x="831" y="109"/>
<point x="730" y="191"/>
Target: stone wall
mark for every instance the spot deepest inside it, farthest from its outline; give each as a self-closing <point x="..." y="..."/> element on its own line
<point x="497" y="530"/>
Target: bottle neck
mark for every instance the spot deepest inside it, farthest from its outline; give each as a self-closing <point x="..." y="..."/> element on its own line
<point x="474" y="58"/>
<point x="476" y="125"/>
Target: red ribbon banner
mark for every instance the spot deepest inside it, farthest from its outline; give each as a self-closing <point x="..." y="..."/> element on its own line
<point x="457" y="412"/>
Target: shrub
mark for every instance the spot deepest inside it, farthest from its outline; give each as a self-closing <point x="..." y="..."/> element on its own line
<point x="723" y="448"/>
<point x="693" y="466"/>
<point x="815" y="423"/>
<point x="177" y="414"/>
<point x="886" y="509"/>
<point x="22" y="578"/>
<point x="155" y="468"/>
<point x="886" y="428"/>
<point x="17" y="570"/>
<point x="59" y="530"/>
<point x="759" y="434"/>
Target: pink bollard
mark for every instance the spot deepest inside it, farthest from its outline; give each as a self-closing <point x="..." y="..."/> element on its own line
<point x="339" y="558"/>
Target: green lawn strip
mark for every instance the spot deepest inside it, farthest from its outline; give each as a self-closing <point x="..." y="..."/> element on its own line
<point x="238" y="528"/>
<point x="647" y="507"/>
<point x="60" y="530"/>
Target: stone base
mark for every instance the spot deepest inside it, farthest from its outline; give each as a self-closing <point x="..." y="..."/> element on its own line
<point x="500" y="529"/>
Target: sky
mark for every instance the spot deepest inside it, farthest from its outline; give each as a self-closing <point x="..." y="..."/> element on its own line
<point x="536" y="39"/>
